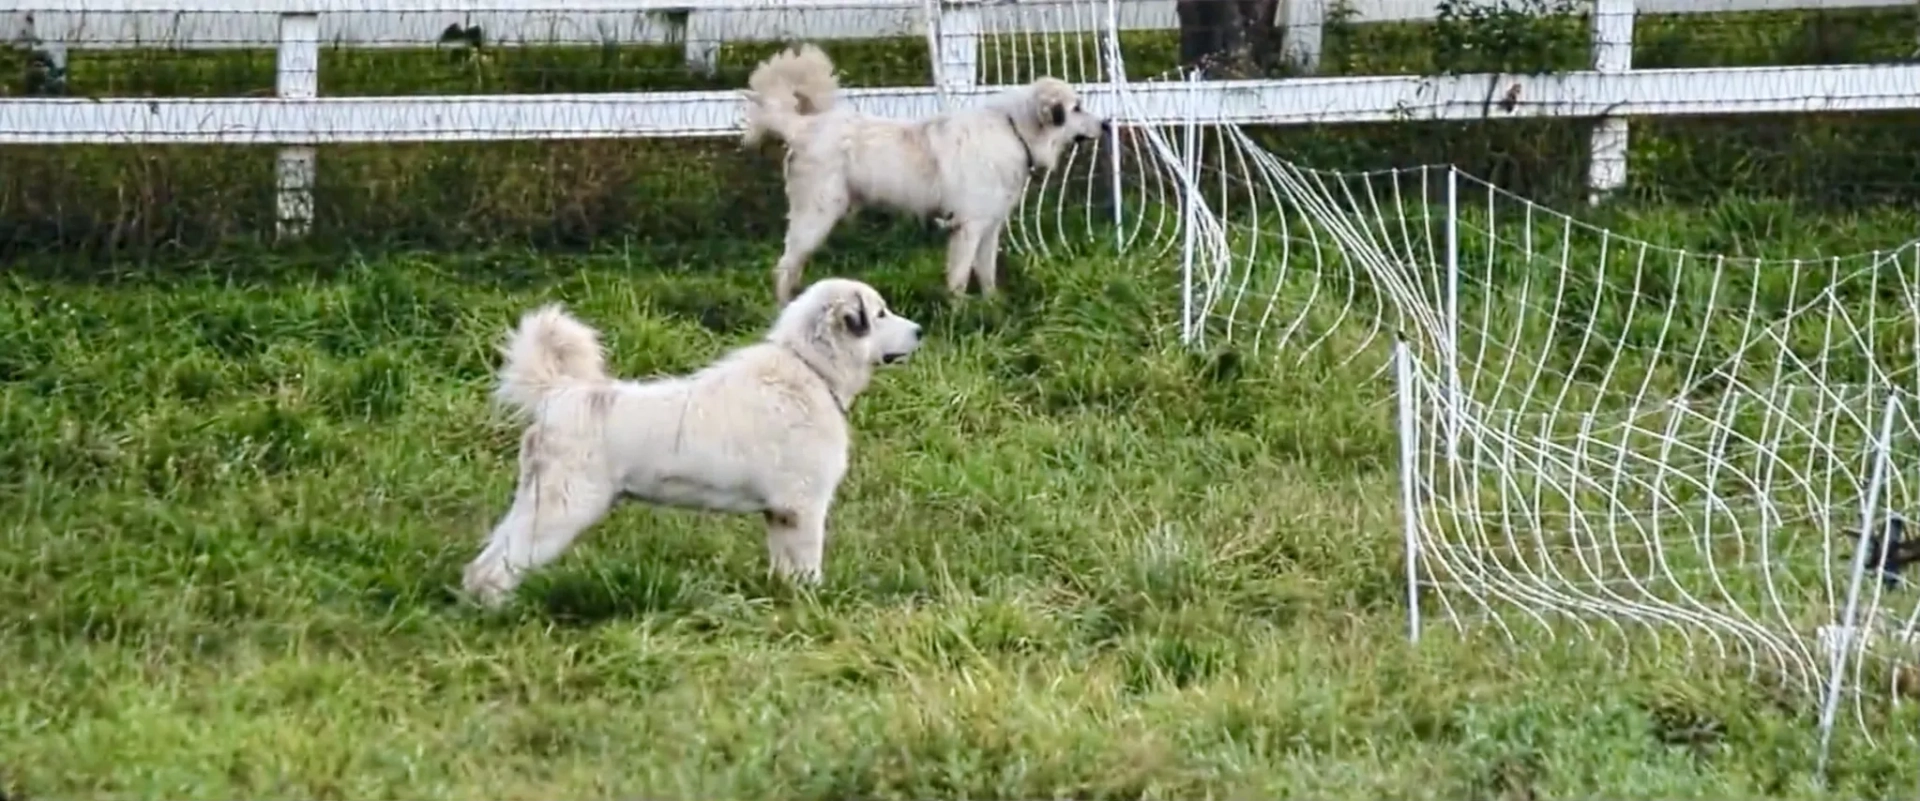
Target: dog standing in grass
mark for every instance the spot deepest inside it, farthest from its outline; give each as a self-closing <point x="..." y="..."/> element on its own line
<point x="763" y="430"/>
<point x="966" y="168"/>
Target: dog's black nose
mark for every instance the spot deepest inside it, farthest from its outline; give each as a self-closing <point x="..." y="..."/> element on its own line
<point x="1106" y="126"/>
<point x="916" y="330"/>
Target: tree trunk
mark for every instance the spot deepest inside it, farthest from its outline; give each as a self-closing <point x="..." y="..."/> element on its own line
<point x="1227" y="38"/>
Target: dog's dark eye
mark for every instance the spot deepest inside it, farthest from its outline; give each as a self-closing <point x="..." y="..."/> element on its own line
<point x="1076" y="108"/>
<point x="882" y="315"/>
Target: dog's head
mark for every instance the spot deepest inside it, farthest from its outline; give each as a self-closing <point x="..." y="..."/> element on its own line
<point x="1057" y="108"/>
<point x="1054" y="111"/>
<point x="850" y="322"/>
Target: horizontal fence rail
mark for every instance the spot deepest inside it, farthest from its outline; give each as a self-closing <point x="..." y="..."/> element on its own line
<point x="297" y="119"/>
<point x="222" y="24"/>
<point x="471" y="118"/>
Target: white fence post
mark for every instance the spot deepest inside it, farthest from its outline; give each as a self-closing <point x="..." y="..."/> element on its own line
<point x="1304" y="39"/>
<point x="700" y="49"/>
<point x="56" y="55"/>
<point x="52" y="39"/>
<point x="297" y="76"/>
<point x="1612" y="53"/>
<point x="956" y="59"/>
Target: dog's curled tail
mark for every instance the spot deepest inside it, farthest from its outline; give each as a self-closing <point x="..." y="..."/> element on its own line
<point x="550" y="351"/>
<point x="785" y="89"/>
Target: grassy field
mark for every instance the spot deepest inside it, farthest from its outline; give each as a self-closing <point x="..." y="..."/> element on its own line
<point x="237" y="484"/>
<point x="1070" y="560"/>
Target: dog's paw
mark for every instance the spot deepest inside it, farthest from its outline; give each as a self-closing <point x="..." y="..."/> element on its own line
<point x="795" y="572"/>
<point x="490" y="598"/>
<point x="489" y="585"/>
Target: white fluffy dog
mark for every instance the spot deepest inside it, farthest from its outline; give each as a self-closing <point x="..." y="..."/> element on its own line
<point x="763" y="430"/>
<point x="966" y="168"/>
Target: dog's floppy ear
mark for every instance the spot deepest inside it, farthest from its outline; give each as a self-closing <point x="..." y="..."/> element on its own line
<point x="856" y="320"/>
<point x="1058" y="113"/>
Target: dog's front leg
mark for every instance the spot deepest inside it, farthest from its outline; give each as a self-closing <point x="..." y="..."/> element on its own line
<point x="810" y="218"/>
<point x="786" y="273"/>
<point x="962" y="246"/>
<point x="986" y="260"/>
<point x="796" y="543"/>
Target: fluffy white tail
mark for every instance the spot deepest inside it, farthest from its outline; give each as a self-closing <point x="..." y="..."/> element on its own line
<point x="785" y="89"/>
<point x="550" y="351"/>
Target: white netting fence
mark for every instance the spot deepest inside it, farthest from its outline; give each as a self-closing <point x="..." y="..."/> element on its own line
<point x="1613" y="438"/>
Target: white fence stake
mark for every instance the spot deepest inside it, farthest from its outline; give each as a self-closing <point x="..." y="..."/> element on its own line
<point x="1189" y="199"/>
<point x="1116" y="78"/>
<point x="1850" y="625"/>
<point x="1612" y="54"/>
<point x="297" y="76"/>
<point x="1409" y="462"/>
<point x="1453" y="313"/>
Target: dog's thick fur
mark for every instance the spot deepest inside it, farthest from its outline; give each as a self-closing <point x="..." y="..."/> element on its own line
<point x="965" y="168"/>
<point x="763" y="430"/>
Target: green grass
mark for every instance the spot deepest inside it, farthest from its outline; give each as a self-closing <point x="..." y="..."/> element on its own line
<point x="1070" y="560"/>
<point x="237" y="486"/>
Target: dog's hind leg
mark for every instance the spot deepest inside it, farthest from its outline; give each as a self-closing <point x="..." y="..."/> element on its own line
<point x="986" y="260"/>
<point x="807" y="228"/>
<point x="488" y="578"/>
<point x="962" y="246"/>
<point x="548" y="513"/>
<point x="796" y="543"/>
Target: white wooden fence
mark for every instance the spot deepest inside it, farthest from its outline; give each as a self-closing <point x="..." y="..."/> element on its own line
<point x="695" y="25"/>
<point x="298" y="119"/>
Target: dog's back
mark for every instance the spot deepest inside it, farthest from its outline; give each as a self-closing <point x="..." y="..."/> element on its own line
<point x="785" y="90"/>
